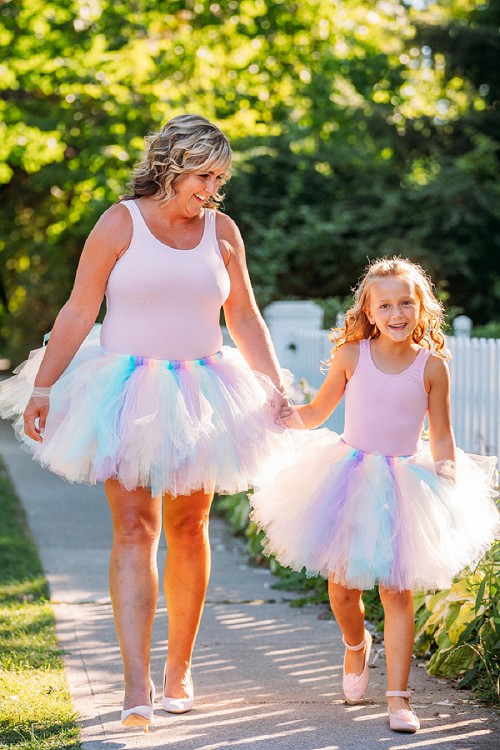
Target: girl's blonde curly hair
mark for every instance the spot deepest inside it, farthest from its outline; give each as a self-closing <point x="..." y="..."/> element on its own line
<point x="428" y="331"/>
<point x="186" y="143"/>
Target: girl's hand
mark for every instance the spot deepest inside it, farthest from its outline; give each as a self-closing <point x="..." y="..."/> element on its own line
<point x="291" y="418"/>
<point x="277" y="403"/>
<point x="36" y="411"/>
<point x="287" y="411"/>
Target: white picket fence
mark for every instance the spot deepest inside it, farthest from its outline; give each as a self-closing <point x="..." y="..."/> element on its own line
<point x="475" y="383"/>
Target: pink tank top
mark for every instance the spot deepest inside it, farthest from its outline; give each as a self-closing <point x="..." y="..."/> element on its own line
<point x="162" y="302"/>
<point x="384" y="413"/>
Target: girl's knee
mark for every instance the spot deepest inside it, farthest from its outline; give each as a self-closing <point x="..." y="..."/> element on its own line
<point x="340" y="596"/>
<point x="393" y="598"/>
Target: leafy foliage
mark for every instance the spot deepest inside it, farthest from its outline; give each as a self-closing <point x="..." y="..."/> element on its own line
<point x="359" y="129"/>
<point x="461" y="626"/>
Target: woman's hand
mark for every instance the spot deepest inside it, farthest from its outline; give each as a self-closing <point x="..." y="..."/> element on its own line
<point x="35" y="414"/>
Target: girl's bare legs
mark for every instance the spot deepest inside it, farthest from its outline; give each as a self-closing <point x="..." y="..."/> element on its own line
<point x="133" y="582"/>
<point x="349" y="610"/>
<point x="187" y="572"/>
<point x="399" y="630"/>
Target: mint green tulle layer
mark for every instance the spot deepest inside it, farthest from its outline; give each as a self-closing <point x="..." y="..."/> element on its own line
<point x="174" y="426"/>
<point x="364" y="518"/>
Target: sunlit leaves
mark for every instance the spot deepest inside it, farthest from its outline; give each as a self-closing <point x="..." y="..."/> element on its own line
<point x="344" y="116"/>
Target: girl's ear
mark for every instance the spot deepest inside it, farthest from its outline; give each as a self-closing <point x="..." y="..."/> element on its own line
<point x="366" y="311"/>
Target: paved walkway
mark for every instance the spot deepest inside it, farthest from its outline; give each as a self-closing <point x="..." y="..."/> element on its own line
<point x="267" y="676"/>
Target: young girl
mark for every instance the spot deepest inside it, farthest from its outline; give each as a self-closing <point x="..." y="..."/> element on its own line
<point x="376" y="505"/>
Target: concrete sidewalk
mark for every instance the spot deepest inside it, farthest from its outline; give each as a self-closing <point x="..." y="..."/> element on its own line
<point x="267" y="676"/>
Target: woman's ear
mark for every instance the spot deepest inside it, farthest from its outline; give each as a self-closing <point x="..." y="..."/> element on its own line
<point x="366" y="311"/>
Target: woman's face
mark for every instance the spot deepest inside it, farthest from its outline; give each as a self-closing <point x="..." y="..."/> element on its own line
<point x="195" y="188"/>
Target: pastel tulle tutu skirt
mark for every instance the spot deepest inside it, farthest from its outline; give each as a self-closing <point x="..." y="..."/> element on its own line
<point x="174" y="426"/>
<point x="363" y="519"/>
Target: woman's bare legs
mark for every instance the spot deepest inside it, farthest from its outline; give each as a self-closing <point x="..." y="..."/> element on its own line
<point x="133" y="582"/>
<point x="349" y="610"/>
<point x="399" y="632"/>
<point x="187" y="572"/>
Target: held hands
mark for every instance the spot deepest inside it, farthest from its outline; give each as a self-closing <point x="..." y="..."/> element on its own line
<point x="35" y="414"/>
<point x="284" y="413"/>
<point x="276" y="403"/>
<point x="290" y="416"/>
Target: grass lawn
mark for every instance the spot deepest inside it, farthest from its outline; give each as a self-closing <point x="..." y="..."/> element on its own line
<point x="35" y="707"/>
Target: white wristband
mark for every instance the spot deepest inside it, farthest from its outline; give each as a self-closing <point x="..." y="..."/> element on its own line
<point x="40" y="392"/>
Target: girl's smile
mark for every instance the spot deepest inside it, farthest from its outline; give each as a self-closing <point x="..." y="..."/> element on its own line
<point x="394" y="307"/>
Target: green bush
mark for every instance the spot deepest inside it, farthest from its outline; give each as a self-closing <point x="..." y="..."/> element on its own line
<point x="460" y="627"/>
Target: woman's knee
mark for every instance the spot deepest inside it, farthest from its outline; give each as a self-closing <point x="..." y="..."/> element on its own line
<point x="187" y="528"/>
<point x="134" y="527"/>
<point x="136" y="515"/>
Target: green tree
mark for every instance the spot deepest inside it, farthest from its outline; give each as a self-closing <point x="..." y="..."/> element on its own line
<point x="356" y="130"/>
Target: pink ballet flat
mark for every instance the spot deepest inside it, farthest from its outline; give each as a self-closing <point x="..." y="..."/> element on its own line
<point x="354" y="685"/>
<point x="140" y="716"/>
<point x="177" y="705"/>
<point x="405" y="719"/>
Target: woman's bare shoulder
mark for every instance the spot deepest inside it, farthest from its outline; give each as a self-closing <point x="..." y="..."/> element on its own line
<point x="113" y="230"/>
<point x="227" y="229"/>
<point x="229" y="237"/>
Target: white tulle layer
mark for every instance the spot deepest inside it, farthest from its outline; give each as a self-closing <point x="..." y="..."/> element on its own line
<point x="176" y="427"/>
<point x="363" y="518"/>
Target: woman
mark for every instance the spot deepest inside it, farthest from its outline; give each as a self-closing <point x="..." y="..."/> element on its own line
<point x="151" y="403"/>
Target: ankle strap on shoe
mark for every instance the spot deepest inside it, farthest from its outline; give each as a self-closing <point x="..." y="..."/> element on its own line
<point x="354" y="648"/>
<point x="399" y="694"/>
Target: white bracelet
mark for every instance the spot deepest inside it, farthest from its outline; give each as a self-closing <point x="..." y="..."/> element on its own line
<point x="40" y="391"/>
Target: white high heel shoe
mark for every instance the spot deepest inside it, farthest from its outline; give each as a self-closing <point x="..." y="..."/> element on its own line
<point x="177" y="705"/>
<point x="140" y="716"/>
<point x="354" y="685"/>
<point x="404" y="719"/>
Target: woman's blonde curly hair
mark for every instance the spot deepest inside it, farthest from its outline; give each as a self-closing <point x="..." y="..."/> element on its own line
<point x="428" y="331"/>
<point x="186" y="143"/>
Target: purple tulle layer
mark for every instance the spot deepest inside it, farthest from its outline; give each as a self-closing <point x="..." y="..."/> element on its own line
<point x="363" y="519"/>
<point x="176" y="427"/>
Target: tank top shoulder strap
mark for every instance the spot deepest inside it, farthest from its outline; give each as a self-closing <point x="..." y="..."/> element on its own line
<point x="364" y="358"/>
<point x="421" y="359"/>
<point x="132" y="208"/>
<point x="210" y="241"/>
<point x="209" y="229"/>
<point x="139" y="225"/>
<point x="415" y="371"/>
<point x="364" y="351"/>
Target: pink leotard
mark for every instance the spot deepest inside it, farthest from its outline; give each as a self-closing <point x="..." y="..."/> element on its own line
<point x="385" y="412"/>
<point x="162" y="302"/>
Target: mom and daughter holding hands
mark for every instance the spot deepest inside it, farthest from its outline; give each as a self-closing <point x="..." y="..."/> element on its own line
<point x="152" y="404"/>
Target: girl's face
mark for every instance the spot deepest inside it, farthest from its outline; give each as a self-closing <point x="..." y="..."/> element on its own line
<point x="194" y="189"/>
<point x="393" y="307"/>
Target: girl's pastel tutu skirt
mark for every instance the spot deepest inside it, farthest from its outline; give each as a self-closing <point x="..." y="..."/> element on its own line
<point x="174" y="426"/>
<point x="362" y="519"/>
